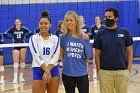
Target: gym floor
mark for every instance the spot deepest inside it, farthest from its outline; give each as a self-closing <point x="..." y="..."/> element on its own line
<point x="26" y="87"/>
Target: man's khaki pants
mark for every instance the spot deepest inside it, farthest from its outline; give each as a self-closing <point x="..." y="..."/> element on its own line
<point x="111" y="81"/>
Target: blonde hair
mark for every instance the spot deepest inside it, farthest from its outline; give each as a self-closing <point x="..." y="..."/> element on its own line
<point x="76" y="17"/>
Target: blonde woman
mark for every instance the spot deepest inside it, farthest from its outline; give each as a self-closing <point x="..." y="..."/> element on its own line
<point x="75" y="55"/>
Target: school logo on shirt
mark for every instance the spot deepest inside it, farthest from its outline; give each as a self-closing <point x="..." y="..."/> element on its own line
<point x="96" y="31"/>
<point x="120" y="35"/>
<point x="84" y="30"/>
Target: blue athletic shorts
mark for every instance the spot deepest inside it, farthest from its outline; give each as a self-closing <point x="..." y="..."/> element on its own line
<point x="38" y="72"/>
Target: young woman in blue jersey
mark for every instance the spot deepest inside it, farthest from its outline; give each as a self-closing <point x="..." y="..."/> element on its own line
<point x="75" y="52"/>
<point x="1" y="62"/>
<point x="97" y="27"/>
<point x="17" y="34"/>
<point x="60" y="29"/>
<point x="94" y="29"/>
<point x="45" y="49"/>
<point x="84" y="27"/>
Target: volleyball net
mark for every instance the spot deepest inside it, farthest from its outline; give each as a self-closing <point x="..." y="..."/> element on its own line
<point x="135" y="39"/>
<point x="27" y="44"/>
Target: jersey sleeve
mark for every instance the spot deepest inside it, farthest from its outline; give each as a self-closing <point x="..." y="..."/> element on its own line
<point x="56" y="33"/>
<point x="1" y="39"/>
<point x="129" y="40"/>
<point x="0" y="36"/>
<point x="88" y="29"/>
<point x="55" y="56"/>
<point x="28" y="32"/>
<point x="34" y="50"/>
<point x="91" y="32"/>
<point x="37" y="30"/>
<point x="8" y="34"/>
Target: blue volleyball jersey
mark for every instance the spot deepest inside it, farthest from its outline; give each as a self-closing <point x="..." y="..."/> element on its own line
<point x="94" y="30"/>
<point x="85" y="29"/>
<point x="17" y="35"/>
<point x="75" y="52"/>
<point x="58" y="33"/>
<point x="113" y="46"/>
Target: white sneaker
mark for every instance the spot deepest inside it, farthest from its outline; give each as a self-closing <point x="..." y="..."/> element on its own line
<point x="1" y="81"/>
<point x="2" y="87"/>
<point x="15" y="81"/>
<point x="21" y="79"/>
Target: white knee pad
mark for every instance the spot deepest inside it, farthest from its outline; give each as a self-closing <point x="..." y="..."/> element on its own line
<point x="1" y="68"/>
<point x="22" y="65"/>
<point x="16" y="65"/>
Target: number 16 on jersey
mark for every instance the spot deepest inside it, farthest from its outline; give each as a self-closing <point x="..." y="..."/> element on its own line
<point x="46" y="51"/>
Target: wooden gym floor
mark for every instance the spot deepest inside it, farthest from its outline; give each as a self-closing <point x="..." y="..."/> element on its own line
<point x="8" y="87"/>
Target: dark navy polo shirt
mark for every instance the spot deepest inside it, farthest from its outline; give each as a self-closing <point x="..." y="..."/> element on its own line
<point x="113" y="44"/>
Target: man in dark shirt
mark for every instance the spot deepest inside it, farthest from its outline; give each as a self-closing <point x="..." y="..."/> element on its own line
<point x="60" y="29"/>
<point x="113" y="55"/>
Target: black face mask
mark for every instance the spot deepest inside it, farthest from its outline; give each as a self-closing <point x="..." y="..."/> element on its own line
<point x="109" y="22"/>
